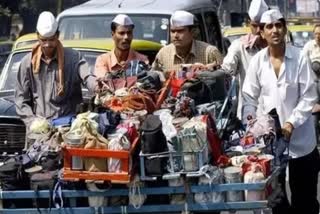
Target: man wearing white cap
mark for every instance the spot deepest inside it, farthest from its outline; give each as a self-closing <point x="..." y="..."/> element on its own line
<point x="281" y="76"/>
<point x="243" y="49"/>
<point x="50" y="77"/>
<point x="183" y="48"/>
<point x="312" y="50"/>
<point x="122" y="34"/>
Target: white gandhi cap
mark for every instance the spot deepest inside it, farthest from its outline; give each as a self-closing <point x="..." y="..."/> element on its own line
<point x="256" y="9"/>
<point x="181" y="18"/>
<point x="271" y="16"/>
<point x="122" y="19"/>
<point x="47" y="25"/>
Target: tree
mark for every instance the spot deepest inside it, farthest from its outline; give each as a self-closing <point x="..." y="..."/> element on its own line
<point x="29" y="10"/>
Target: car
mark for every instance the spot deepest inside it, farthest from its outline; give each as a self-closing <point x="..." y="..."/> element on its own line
<point x="5" y="49"/>
<point x="12" y="129"/>
<point x="25" y="40"/>
<point x="301" y="34"/>
<point x="92" y="19"/>
<point x="233" y="33"/>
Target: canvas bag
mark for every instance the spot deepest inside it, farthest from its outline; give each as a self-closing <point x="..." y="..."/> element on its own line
<point x="153" y="141"/>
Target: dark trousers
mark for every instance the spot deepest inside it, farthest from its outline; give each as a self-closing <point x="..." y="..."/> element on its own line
<point x="303" y="180"/>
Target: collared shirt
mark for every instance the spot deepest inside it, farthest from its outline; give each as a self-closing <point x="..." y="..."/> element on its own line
<point x="108" y="62"/>
<point x="312" y="50"/>
<point x="236" y="62"/>
<point x="167" y="58"/>
<point x="36" y="94"/>
<point x="293" y="94"/>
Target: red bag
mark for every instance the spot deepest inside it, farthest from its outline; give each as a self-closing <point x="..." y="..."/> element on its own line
<point x="215" y="142"/>
<point x="176" y="85"/>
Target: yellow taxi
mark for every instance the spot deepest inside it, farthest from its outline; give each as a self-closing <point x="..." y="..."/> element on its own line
<point x="148" y="48"/>
<point x="301" y="34"/>
<point x="234" y="33"/>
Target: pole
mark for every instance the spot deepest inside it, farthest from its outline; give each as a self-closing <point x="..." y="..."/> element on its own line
<point x="59" y="6"/>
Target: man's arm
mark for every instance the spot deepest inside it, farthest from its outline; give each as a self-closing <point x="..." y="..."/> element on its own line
<point x="100" y="67"/>
<point x="23" y="97"/>
<point x="157" y="63"/>
<point x="215" y="58"/>
<point x="307" y="93"/>
<point x="89" y="80"/>
<point x="232" y="59"/>
<point x="251" y="90"/>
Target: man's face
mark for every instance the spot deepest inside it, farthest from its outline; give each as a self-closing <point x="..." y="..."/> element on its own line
<point x="255" y="28"/>
<point x="181" y="36"/>
<point x="274" y="33"/>
<point x="122" y="37"/>
<point x="317" y="35"/>
<point x="48" y="44"/>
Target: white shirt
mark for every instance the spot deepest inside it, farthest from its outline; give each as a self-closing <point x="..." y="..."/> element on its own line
<point x="293" y="94"/>
<point x="237" y="62"/>
<point x="312" y="50"/>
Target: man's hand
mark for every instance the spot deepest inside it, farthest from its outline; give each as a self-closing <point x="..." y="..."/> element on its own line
<point x="213" y="66"/>
<point x="287" y="130"/>
<point x="198" y="67"/>
<point x="316" y="108"/>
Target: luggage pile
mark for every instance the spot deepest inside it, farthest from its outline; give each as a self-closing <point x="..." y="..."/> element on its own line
<point x="141" y="132"/>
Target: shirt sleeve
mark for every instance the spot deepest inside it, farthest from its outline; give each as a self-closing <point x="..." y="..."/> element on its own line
<point x="23" y="96"/>
<point x="307" y="93"/>
<point x="251" y="89"/>
<point x="232" y="59"/>
<point x="214" y="55"/>
<point x="158" y="63"/>
<point x="100" y="67"/>
<point x="305" y="49"/>
<point x="88" y="79"/>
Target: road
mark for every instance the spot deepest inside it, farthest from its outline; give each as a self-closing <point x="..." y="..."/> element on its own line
<point x="250" y="212"/>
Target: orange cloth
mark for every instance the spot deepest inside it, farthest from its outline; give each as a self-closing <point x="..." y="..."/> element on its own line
<point x="108" y="62"/>
<point x="36" y="60"/>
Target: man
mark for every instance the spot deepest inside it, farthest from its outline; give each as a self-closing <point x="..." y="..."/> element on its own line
<point x="312" y="51"/>
<point x="118" y="58"/>
<point x="184" y="49"/>
<point x="281" y="76"/>
<point x="243" y="49"/>
<point x="312" y="48"/>
<point x="49" y="79"/>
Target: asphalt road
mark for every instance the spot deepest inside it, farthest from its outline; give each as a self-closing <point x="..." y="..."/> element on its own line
<point x="251" y="212"/>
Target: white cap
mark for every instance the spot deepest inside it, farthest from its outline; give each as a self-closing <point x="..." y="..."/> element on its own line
<point x="47" y="25"/>
<point x="271" y="16"/>
<point x="123" y="19"/>
<point x="181" y="18"/>
<point x="256" y="9"/>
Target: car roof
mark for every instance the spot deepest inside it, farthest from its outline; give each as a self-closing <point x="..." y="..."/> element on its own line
<point x="297" y="28"/>
<point x="236" y="31"/>
<point x="96" y="7"/>
<point x="105" y="44"/>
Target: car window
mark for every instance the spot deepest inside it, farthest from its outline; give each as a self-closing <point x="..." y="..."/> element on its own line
<point x="198" y="30"/>
<point x="25" y="43"/>
<point x="154" y="28"/>
<point x="9" y="74"/>
<point x="300" y="38"/>
<point x="213" y="28"/>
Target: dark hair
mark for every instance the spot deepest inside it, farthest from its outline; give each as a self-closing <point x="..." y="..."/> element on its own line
<point x="115" y="25"/>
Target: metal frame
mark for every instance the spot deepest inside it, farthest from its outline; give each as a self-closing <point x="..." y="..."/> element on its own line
<point x="188" y="190"/>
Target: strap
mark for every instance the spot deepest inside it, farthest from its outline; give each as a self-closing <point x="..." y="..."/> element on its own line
<point x="57" y="192"/>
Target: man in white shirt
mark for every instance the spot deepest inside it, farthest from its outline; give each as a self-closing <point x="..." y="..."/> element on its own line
<point x="280" y="75"/>
<point x="312" y="50"/>
<point x="243" y="49"/>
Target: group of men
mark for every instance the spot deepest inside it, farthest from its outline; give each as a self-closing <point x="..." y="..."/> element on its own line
<point x="272" y="74"/>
